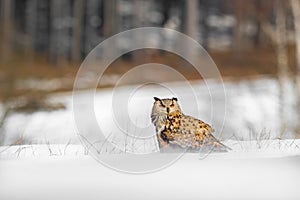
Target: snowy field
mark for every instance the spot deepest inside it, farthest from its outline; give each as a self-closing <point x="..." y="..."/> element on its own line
<point x="189" y="178"/>
<point x="66" y="172"/>
<point x="246" y="149"/>
<point x="250" y="111"/>
<point x="52" y="163"/>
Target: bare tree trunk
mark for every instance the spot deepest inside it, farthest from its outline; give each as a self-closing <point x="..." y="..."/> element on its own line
<point x="191" y="23"/>
<point x="110" y="18"/>
<point x="282" y="60"/>
<point x="30" y="28"/>
<point x="6" y="29"/>
<point x="192" y="19"/>
<point x="6" y="49"/>
<point x="203" y="13"/>
<point x="5" y="60"/>
<point x="110" y="23"/>
<point x="54" y="48"/>
<point x="59" y="32"/>
<point x="295" y="4"/>
<point x="138" y="21"/>
<point x="77" y="30"/>
<point x="238" y="32"/>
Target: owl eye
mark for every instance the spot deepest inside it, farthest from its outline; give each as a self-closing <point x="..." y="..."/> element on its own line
<point x="172" y="105"/>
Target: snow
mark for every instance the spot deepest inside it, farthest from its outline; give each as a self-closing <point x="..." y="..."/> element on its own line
<point x="52" y="163"/>
<point x="75" y="175"/>
<point x="254" y="169"/>
<point x="248" y="149"/>
<point x="251" y="111"/>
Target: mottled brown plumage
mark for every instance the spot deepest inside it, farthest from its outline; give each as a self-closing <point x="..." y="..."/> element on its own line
<point x="174" y="129"/>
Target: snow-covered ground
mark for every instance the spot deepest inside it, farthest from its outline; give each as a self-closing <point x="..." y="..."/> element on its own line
<point x="246" y="149"/>
<point x="52" y="163"/>
<point x="249" y="112"/>
<point x="67" y="172"/>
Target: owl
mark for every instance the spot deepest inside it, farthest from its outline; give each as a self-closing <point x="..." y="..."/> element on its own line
<point x="178" y="131"/>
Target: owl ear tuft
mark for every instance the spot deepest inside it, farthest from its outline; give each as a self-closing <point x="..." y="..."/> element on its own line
<point x="156" y="99"/>
<point x="174" y="99"/>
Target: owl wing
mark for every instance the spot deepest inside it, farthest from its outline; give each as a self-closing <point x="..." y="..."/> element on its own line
<point x="199" y="137"/>
<point x="205" y="139"/>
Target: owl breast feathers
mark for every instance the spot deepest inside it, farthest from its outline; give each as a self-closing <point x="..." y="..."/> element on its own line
<point x="178" y="131"/>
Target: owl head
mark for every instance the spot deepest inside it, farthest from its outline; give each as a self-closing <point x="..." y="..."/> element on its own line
<point x="165" y="106"/>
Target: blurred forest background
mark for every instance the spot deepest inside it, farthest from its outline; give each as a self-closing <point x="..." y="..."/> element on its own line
<point x="43" y="42"/>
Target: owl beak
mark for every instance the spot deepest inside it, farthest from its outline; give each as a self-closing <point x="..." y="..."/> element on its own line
<point x="168" y="110"/>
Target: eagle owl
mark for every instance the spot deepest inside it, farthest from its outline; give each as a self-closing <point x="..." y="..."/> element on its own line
<point x="176" y="130"/>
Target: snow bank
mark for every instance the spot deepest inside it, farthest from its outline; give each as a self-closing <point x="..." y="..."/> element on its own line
<point x="266" y="169"/>
<point x="218" y="176"/>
